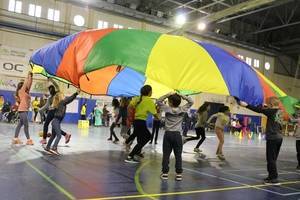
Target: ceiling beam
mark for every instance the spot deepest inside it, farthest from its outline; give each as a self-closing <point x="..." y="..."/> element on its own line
<point x="276" y="27"/>
<point x="254" y="11"/>
<point x="190" y="7"/>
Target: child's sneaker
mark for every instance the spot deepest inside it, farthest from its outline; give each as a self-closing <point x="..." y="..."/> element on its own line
<point x="197" y="150"/>
<point x="164" y="176"/>
<point x="178" y="177"/>
<point x="141" y="155"/>
<point x="67" y="138"/>
<point x="16" y="141"/>
<point x="48" y="151"/>
<point x="221" y="156"/>
<point x="109" y="139"/>
<point x="29" y="142"/>
<point x="132" y="160"/>
<point x="43" y="141"/>
<point x="268" y="181"/>
<point x="298" y="167"/>
<point x="116" y="141"/>
<point x="54" y="151"/>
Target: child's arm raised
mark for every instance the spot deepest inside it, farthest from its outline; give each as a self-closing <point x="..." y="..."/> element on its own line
<point x="189" y="103"/>
<point x="160" y="101"/>
<point x="69" y="99"/>
<point x="256" y="109"/>
<point x="28" y="82"/>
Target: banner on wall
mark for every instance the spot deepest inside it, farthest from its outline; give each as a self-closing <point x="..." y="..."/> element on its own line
<point x="10" y="83"/>
<point x="14" y="61"/>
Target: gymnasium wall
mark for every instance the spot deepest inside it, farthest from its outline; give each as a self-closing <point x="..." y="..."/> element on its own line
<point x="27" y="42"/>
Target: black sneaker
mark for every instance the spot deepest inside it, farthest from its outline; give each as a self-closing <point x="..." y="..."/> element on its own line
<point x="48" y="151"/>
<point x="116" y="141"/>
<point x="268" y="181"/>
<point x="298" y="167"/>
<point x="132" y="160"/>
<point x="178" y="177"/>
<point x="109" y="139"/>
<point x="141" y="155"/>
<point x="164" y="176"/>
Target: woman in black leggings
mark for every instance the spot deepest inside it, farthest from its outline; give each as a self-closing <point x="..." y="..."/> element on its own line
<point x="202" y="115"/>
<point x="143" y="105"/>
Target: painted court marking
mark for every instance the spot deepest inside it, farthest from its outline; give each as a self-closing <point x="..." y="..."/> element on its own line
<point x="254" y="179"/>
<point x="46" y="177"/>
<point x="191" y="191"/>
<point x="232" y="181"/>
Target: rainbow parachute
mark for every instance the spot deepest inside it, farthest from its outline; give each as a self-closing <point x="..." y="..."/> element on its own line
<point x="119" y="62"/>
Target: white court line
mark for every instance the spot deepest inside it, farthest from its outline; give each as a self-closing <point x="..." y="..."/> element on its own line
<point x="232" y="181"/>
<point x="290" y="194"/>
<point x="254" y="179"/>
<point x="280" y="173"/>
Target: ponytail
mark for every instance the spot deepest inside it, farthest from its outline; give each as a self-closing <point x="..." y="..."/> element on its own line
<point x="145" y="91"/>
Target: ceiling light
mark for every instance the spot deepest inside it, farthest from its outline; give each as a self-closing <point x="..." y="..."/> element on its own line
<point x="201" y="26"/>
<point x="180" y="19"/>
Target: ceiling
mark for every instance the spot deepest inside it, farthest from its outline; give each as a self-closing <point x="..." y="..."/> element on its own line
<point x="266" y="24"/>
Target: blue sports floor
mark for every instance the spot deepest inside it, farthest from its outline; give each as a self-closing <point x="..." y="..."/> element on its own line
<point x="90" y="167"/>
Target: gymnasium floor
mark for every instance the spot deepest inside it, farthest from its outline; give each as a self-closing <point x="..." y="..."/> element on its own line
<point x="93" y="168"/>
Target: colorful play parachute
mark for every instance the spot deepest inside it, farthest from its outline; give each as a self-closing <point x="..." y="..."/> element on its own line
<point x="119" y="62"/>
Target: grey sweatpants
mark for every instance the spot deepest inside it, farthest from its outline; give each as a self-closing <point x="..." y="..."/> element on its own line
<point x="56" y="132"/>
<point x="23" y="121"/>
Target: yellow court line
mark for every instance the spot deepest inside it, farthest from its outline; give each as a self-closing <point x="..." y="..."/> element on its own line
<point x="191" y="192"/>
<point x="137" y="181"/>
<point x="46" y="177"/>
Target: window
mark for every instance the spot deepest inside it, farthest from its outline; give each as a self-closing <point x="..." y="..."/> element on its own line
<point x="241" y="57"/>
<point x="102" y="24"/>
<point x="249" y="61"/>
<point x="15" y="6"/>
<point x="78" y="20"/>
<point x="35" y="10"/>
<point x="118" y="26"/>
<point x="256" y="63"/>
<point x="53" y="14"/>
<point x="267" y="66"/>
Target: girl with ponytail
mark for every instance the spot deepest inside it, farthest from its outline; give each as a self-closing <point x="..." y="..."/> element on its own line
<point x="143" y="105"/>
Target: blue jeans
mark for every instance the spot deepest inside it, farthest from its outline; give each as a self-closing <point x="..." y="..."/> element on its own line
<point x="56" y="132"/>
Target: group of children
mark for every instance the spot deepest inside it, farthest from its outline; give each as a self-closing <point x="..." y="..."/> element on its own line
<point x="134" y="113"/>
<point x="55" y="107"/>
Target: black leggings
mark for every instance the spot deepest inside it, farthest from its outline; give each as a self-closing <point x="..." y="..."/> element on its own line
<point x="200" y="131"/>
<point x="36" y="111"/>
<point x="298" y="151"/>
<point x="49" y="118"/>
<point x="143" y="136"/>
<point x="155" y="130"/>
<point x="112" y="131"/>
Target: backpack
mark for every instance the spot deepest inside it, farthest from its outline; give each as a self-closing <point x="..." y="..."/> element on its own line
<point x="130" y="115"/>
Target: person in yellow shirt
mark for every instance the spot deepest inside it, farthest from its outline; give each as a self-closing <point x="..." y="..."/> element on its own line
<point x="83" y="112"/>
<point x="35" y="106"/>
<point x="143" y="105"/>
